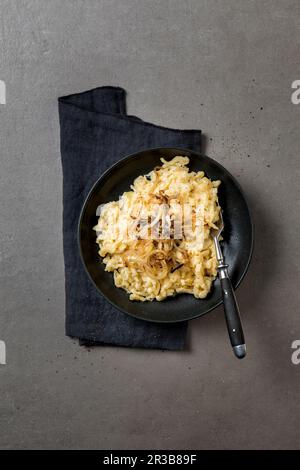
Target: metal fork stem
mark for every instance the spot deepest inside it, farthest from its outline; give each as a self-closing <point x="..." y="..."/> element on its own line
<point x="222" y="266"/>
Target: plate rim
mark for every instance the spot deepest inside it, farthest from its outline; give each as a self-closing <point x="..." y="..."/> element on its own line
<point x="111" y="168"/>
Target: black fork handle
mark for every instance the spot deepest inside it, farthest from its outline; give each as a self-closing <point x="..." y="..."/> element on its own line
<point x="232" y="315"/>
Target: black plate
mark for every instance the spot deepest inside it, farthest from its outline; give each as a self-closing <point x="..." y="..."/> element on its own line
<point x="237" y="245"/>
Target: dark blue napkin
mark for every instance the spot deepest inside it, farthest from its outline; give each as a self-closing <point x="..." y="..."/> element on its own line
<point x="95" y="132"/>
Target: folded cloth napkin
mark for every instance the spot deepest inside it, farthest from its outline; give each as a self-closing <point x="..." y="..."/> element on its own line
<point x="95" y="132"/>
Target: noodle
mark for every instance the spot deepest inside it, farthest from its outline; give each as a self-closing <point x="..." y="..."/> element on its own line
<point x="160" y="259"/>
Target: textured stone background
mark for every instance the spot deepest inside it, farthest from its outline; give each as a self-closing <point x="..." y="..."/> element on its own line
<point x="222" y="65"/>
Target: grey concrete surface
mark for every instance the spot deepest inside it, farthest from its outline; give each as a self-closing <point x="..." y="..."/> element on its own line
<point x="226" y="67"/>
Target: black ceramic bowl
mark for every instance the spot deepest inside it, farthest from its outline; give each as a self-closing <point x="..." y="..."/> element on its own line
<point x="237" y="245"/>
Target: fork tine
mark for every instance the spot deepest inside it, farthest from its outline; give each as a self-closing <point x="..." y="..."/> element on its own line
<point x="217" y="232"/>
<point x="221" y="218"/>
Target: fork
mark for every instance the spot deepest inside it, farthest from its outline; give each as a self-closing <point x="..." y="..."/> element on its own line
<point x="231" y="309"/>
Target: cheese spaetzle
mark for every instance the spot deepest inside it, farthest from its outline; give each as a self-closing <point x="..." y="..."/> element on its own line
<point x="156" y="239"/>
